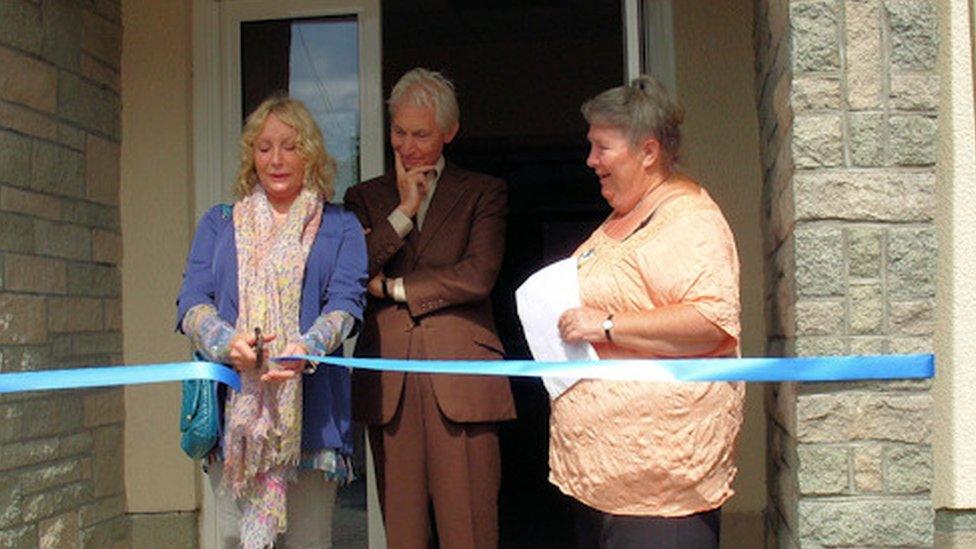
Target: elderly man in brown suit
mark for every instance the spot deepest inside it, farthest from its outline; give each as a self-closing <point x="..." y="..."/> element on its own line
<point x="436" y="237"/>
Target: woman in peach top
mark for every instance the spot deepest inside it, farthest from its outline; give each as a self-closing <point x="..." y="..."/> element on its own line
<point x="650" y="464"/>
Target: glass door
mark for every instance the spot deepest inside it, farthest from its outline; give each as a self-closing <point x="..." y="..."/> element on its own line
<point x="324" y="52"/>
<point x="315" y="60"/>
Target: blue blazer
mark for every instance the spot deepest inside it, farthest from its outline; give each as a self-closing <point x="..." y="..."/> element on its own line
<point x="335" y="280"/>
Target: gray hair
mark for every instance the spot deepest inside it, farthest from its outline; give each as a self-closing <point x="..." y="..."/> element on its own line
<point x="643" y="109"/>
<point x="427" y="88"/>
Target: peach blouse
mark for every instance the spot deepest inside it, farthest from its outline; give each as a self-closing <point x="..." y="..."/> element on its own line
<point x="660" y="449"/>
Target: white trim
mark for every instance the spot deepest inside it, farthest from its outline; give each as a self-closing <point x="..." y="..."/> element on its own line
<point x="217" y="94"/>
<point x="658" y="34"/>
<point x="953" y="435"/>
<point x="206" y="97"/>
<point x="371" y="86"/>
<point x="632" y="35"/>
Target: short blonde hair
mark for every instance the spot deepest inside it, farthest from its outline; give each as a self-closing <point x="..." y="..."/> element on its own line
<point x="320" y="167"/>
<point x="427" y="88"/>
<point x="642" y="109"/>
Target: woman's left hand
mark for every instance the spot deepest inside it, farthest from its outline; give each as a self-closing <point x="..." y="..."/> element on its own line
<point x="283" y="371"/>
<point x="582" y="324"/>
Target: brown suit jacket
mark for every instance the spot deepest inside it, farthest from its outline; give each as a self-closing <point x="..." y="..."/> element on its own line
<point x="449" y="268"/>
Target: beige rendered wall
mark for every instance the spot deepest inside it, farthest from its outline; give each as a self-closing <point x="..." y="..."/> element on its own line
<point x="954" y="484"/>
<point x="156" y="224"/>
<point x="715" y="77"/>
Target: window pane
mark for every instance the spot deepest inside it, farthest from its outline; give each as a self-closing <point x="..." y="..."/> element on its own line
<point x="324" y="74"/>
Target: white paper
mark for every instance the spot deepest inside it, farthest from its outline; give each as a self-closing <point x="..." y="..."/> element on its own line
<point x="540" y="300"/>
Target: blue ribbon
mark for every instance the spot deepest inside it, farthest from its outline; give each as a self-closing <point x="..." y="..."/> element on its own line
<point x="835" y="368"/>
<point x="110" y="376"/>
<point x="832" y="368"/>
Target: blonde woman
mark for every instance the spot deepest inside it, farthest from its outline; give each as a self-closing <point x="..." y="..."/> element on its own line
<point x="283" y="259"/>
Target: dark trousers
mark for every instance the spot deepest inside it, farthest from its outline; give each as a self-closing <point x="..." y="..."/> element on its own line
<point x="599" y="530"/>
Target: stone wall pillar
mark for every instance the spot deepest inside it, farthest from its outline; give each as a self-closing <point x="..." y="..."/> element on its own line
<point x="846" y="93"/>
<point x="61" y="481"/>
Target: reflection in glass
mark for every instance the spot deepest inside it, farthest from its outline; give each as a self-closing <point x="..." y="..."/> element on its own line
<point x="324" y="74"/>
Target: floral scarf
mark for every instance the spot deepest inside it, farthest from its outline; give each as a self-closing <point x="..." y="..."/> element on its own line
<point x="262" y="443"/>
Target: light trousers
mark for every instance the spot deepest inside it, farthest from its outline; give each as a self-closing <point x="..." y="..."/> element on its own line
<point x="311" y="500"/>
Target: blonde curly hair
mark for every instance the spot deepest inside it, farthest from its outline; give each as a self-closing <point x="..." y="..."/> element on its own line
<point x="320" y="167"/>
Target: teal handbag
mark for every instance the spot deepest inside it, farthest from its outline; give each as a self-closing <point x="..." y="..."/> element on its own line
<point x="200" y="419"/>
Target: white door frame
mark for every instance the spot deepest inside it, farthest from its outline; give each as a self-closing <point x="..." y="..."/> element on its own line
<point x="217" y="127"/>
<point x="649" y="41"/>
<point x="632" y="39"/>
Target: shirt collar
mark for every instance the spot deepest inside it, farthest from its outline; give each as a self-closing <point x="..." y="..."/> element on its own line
<point x="438" y="170"/>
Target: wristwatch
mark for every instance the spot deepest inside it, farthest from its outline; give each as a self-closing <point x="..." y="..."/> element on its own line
<point x="607" y="326"/>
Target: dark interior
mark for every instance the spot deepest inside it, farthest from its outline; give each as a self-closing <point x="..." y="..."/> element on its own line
<point x="264" y="61"/>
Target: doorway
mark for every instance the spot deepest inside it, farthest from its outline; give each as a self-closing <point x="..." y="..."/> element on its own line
<point x="521" y="69"/>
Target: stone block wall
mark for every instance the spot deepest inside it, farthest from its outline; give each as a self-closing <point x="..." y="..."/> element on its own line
<point x="846" y="95"/>
<point x="61" y="476"/>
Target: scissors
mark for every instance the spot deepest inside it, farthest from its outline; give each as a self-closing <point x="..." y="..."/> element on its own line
<point x="259" y="348"/>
